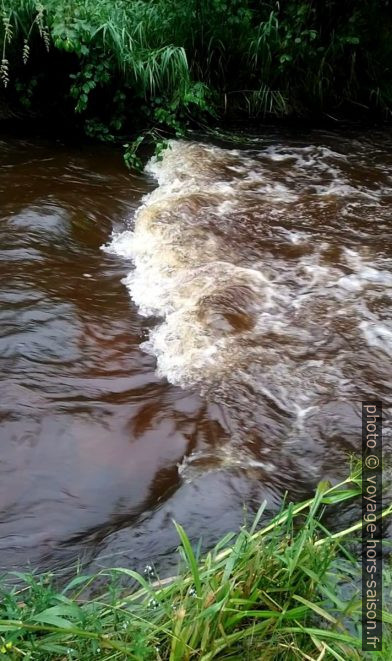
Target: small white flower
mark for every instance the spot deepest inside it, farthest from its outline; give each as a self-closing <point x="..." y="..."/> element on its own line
<point x="148" y="570"/>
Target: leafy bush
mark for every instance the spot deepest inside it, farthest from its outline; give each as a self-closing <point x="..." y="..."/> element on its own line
<point x="130" y="65"/>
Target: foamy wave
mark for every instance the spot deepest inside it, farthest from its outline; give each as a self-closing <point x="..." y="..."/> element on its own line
<point x="182" y="272"/>
<point x="203" y="249"/>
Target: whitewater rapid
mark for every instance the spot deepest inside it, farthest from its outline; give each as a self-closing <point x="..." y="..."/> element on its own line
<point x="202" y="246"/>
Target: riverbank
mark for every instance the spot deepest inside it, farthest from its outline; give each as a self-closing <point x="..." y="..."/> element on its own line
<point x="127" y="71"/>
<point x="286" y="590"/>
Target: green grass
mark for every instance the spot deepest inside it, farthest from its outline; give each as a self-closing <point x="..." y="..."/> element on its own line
<point x="121" y="66"/>
<point x="287" y="590"/>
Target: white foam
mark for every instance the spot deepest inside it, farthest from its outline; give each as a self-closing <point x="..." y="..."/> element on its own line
<point x="219" y="297"/>
<point x="178" y="267"/>
<point x="377" y="335"/>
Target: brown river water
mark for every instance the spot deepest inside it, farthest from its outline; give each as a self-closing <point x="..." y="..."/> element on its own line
<point x="187" y="343"/>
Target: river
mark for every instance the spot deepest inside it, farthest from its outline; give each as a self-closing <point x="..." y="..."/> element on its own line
<point x="186" y="343"/>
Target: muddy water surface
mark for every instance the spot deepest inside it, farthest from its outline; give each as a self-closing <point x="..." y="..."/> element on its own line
<point x="185" y="343"/>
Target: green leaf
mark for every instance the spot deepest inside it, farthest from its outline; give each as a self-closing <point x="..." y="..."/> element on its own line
<point x="324" y="633"/>
<point x="137" y="577"/>
<point x="190" y="557"/>
<point x="10" y="626"/>
<point x="316" y="608"/>
<point x="78" y="580"/>
<point x="386" y="617"/>
<point x="53" y="616"/>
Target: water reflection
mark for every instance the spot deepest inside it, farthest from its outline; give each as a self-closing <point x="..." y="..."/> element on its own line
<point x="98" y="452"/>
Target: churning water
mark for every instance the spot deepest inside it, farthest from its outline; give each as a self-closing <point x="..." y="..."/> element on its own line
<point x="270" y="272"/>
<point x="261" y="284"/>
